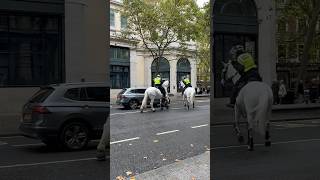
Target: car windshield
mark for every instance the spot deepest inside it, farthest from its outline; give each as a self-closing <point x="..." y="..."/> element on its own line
<point x="41" y="95"/>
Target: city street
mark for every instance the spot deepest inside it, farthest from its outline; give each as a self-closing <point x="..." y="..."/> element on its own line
<point x="294" y="153"/>
<point x="139" y="143"/>
<point x="144" y="142"/>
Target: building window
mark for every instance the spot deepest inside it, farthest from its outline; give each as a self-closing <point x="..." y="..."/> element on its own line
<point x="112" y="18"/>
<point x="124" y="22"/>
<point x="160" y="66"/>
<point x="120" y="67"/>
<point x="300" y="51"/>
<point x="30" y="50"/>
<point x="281" y="52"/>
<point x="293" y="50"/>
<point x="301" y="25"/>
<point x="282" y="26"/>
<point x="120" y="77"/>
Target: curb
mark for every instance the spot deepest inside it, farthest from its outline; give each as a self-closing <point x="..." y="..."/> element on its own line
<point x="272" y="120"/>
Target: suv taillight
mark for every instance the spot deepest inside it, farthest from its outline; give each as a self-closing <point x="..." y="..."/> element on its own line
<point x="40" y="110"/>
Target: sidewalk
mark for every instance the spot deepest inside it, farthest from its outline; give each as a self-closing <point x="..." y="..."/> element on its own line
<point x="223" y="115"/>
<point x="194" y="168"/>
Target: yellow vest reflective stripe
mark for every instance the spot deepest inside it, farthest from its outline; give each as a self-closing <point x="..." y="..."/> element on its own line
<point x="157" y="80"/>
<point x="247" y="61"/>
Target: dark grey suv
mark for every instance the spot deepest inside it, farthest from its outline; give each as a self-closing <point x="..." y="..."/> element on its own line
<point x="67" y="114"/>
<point x="131" y="98"/>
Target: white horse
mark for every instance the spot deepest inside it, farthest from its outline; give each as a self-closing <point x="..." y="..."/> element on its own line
<point x="188" y="95"/>
<point x="154" y="93"/>
<point x="254" y="102"/>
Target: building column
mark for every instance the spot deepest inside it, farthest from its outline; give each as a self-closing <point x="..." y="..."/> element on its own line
<point x="133" y="68"/>
<point x="86" y="43"/>
<point x="75" y="51"/>
<point x="193" y="77"/>
<point x="173" y="76"/>
<point x="148" y="62"/>
<point x="267" y="40"/>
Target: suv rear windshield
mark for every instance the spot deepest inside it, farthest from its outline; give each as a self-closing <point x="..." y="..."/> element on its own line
<point x="41" y="95"/>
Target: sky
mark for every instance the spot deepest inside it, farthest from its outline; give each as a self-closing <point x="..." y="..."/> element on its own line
<point x="201" y="2"/>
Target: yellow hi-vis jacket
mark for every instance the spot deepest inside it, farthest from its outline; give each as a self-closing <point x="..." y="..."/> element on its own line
<point x="186" y="81"/>
<point x="157" y="81"/>
<point x="247" y="61"/>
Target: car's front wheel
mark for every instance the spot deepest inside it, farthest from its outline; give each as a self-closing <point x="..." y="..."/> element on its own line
<point x="74" y="136"/>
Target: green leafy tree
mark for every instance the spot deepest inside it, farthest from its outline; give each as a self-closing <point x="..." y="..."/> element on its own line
<point x="309" y="12"/>
<point x="203" y="43"/>
<point x="161" y="23"/>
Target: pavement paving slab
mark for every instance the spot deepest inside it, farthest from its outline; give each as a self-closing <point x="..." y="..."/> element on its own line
<point x="194" y="168"/>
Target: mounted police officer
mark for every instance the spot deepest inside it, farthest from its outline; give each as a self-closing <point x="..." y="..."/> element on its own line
<point x="186" y="82"/>
<point x="158" y="84"/>
<point x="244" y="63"/>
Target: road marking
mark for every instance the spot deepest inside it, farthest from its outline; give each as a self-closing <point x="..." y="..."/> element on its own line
<point x="9" y="137"/>
<point x="193" y="127"/>
<point x="24" y="145"/>
<point x="124" y="113"/>
<point x="46" y="163"/>
<point x="167" y="132"/>
<point x="272" y="143"/>
<point x="2" y="143"/>
<point x="125" y="140"/>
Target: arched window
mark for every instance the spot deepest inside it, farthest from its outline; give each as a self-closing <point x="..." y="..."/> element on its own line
<point x="160" y="66"/>
<point x="183" y="69"/>
<point x="235" y="8"/>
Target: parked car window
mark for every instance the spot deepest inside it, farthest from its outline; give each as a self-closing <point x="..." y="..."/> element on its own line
<point x="73" y="94"/>
<point x="41" y="95"/>
<point x="101" y="94"/>
<point x="133" y="91"/>
<point x="141" y="91"/>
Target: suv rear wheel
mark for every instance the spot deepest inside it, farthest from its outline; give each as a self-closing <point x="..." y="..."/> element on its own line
<point x="133" y="104"/>
<point x="74" y="136"/>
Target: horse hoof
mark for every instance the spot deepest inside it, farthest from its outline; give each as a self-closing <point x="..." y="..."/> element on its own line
<point x="267" y="143"/>
<point x="141" y="111"/>
<point x="240" y="139"/>
<point x="154" y="110"/>
<point x="161" y="108"/>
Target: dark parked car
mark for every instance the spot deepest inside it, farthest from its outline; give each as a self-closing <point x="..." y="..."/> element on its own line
<point x="67" y="114"/>
<point x="131" y="98"/>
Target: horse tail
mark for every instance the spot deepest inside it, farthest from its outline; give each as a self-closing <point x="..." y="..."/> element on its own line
<point x="145" y="99"/>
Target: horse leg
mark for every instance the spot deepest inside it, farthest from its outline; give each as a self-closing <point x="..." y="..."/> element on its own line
<point x="162" y="103"/>
<point x="237" y="124"/>
<point x="250" y="138"/>
<point x="151" y="104"/>
<point x="267" y="136"/>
